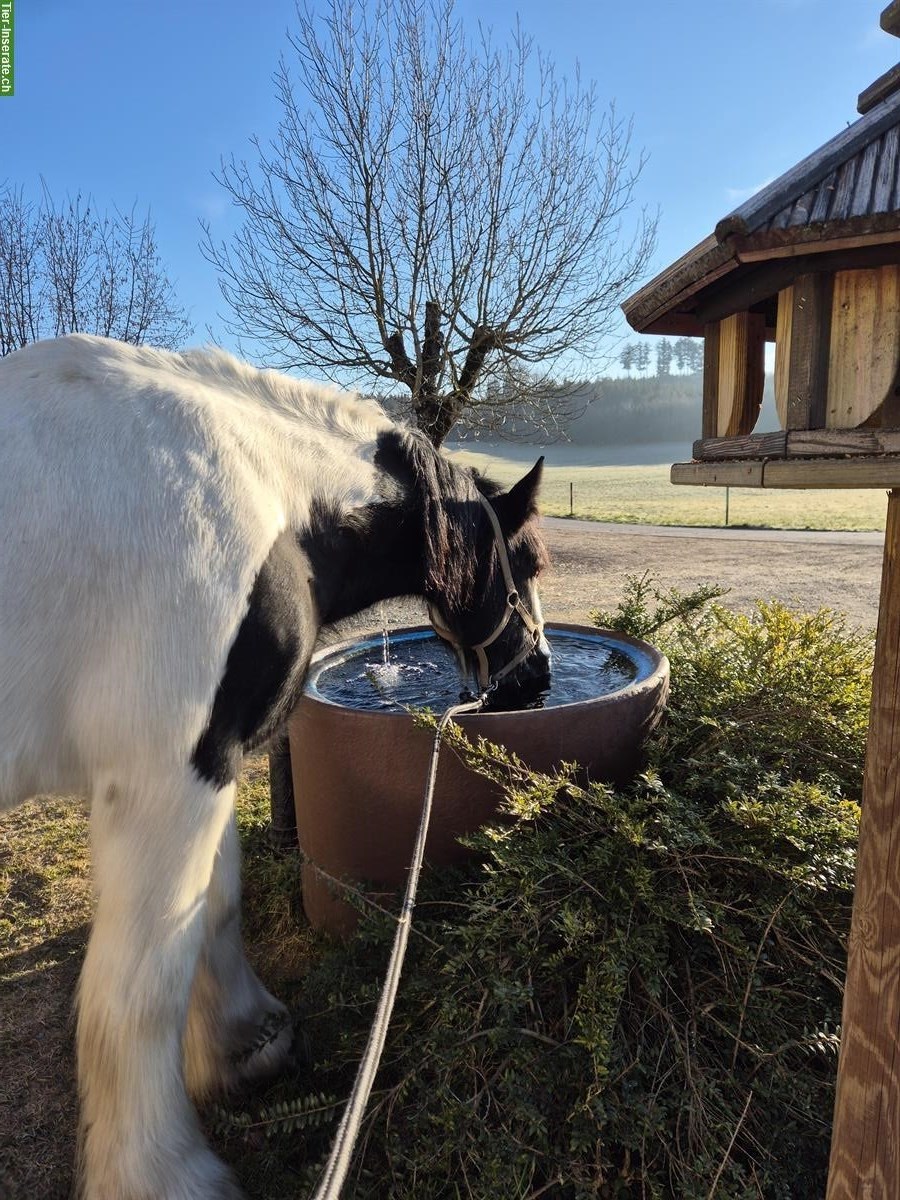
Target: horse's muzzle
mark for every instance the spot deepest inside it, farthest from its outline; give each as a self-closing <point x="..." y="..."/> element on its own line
<point x="526" y="686"/>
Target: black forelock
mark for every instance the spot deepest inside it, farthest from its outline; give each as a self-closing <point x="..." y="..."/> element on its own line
<point x="451" y="519"/>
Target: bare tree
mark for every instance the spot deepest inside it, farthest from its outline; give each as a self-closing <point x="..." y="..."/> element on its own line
<point x="68" y="269"/>
<point x="433" y="212"/>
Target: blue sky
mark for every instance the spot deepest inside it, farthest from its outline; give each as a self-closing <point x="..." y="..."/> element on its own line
<point x="138" y="102"/>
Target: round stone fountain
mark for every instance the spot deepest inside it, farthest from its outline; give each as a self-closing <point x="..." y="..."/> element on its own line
<point x="359" y="762"/>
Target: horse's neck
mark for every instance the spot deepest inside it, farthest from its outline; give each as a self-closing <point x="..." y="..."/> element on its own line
<point x="361" y="559"/>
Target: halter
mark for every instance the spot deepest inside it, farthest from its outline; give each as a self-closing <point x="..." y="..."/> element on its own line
<point x="487" y="681"/>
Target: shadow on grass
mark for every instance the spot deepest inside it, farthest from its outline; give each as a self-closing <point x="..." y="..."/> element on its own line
<point x="38" y="1104"/>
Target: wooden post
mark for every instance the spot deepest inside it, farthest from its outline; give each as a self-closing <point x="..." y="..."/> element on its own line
<point x="808" y="366"/>
<point x="711" y="380"/>
<point x="865" y="1149"/>
<point x="281" y="792"/>
<point x="741" y="355"/>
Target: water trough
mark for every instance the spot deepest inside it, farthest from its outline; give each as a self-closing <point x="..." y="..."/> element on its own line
<point x="359" y="762"/>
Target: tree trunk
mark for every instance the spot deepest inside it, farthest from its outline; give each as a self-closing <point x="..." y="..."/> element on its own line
<point x="436" y="417"/>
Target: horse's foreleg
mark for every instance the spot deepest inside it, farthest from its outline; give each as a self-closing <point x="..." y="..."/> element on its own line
<point x="154" y="845"/>
<point x="236" y="1031"/>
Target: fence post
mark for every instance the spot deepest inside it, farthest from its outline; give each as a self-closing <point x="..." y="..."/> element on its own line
<point x="571" y="500"/>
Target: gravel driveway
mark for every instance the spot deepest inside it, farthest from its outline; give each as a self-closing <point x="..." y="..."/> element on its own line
<point x="804" y="570"/>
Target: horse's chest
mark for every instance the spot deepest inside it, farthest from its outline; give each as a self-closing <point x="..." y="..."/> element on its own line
<point x="266" y="664"/>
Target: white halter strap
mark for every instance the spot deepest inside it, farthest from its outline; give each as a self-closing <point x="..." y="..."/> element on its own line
<point x="513" y="605"/>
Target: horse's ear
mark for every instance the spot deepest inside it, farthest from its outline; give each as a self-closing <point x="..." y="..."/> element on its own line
<point x="513" y="508"/>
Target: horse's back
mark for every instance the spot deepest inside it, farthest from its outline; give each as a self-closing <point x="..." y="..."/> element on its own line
<point x="131" y="536"/>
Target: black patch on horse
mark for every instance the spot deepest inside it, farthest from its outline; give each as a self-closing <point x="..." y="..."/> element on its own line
<point x="266" y="664"/>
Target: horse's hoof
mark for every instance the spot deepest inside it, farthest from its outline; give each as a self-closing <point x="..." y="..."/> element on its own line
<point x="263" y="1048"/>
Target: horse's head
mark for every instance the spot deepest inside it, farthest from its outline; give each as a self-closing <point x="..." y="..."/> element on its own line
<point x="494" y="621"/>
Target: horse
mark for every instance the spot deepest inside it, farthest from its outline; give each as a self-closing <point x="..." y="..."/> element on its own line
<point x="176" y="530"/>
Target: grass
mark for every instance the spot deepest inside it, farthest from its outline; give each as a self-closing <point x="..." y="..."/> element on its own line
<point x="643" y="495"/>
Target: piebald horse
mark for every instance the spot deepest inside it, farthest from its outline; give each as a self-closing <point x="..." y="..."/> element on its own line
<point x="176" y="529"/>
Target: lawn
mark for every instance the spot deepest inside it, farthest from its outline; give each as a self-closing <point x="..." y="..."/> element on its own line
<point x="643" y="495"/>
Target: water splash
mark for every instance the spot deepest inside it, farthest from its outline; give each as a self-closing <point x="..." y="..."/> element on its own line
<point x="385" y="676"/>
<point x="385" y="639"/>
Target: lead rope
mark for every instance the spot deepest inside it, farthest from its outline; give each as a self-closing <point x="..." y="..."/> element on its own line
<point x="338" y="1163"/>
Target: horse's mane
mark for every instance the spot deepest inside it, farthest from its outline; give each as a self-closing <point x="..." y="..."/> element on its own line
<point x="452" y="519"/>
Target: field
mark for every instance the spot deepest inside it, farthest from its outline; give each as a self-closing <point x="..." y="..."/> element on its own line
<point x="640" y="493"/>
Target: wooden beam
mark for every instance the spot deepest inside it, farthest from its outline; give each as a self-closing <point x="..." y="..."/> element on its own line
<point x="727" y="474"/>
<point x="873" y="240"/>
<point x="741" y="373"/>
<point x="752" y="445"/>
<point x="890" y="18"/>
<point x="840" y="473"/>
<point x="885" y="85"/>
<point x="832" y="473"/>
<point x="808" y="362"/>
<point x="801" y="443"/>
<point x="867" y="1107"/>
<point x="710" y="380"/>
<point x="783" y="323"/>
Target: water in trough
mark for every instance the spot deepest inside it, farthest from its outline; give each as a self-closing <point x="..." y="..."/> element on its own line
<point x="421" y="671"/>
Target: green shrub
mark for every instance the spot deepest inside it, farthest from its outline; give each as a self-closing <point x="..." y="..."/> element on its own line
<point x="634" y="992"/>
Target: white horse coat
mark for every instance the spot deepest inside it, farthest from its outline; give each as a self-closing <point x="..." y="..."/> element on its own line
<point x="173" y="530"/>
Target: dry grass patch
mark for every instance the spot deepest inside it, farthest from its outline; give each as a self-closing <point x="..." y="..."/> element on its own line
<point x="46" y="905"/>
<point x="643" y="495"/>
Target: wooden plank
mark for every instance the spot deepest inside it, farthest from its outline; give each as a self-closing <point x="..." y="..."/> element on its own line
<point x="812" y="473"/>
<point x="800" y="212"/>
<point x="760" y="209"/>
<point x="822" y="203"/>
<point x="710" y="379"/>
<point x="867" y="1107"/>
<point x="783" y="352"/>
<point x="808" y="358"/>
<point x="753" y="445"/>
<point x="801" y="443"/>
<point x="832" y="473"/>
<point x="864" y="354"/>
<point x="885" y="85"/>
<point x="890" y="18"/>
<point x="865" y="179"/>
<point x="727" y="474"/>
<point x="843" y="191"/>
<point x="741" y="373"/>
<point x="805" y="443"/>
<point x="874" y="240"/>
<point x="887" y="171"/>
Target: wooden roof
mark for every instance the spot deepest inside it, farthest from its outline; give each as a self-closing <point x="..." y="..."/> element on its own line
<point x="844" y="195"/>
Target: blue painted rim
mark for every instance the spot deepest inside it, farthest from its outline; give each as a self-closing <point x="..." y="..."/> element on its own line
<point x="644" y="662"/>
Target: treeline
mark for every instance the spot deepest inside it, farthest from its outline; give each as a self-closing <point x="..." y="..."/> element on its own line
<point x="635" y="411"/>
<point x="684" y="355"/>
<point x="628" y="411"/>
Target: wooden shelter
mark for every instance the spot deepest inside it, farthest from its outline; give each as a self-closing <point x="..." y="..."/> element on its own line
<point x="812" y="263"/>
